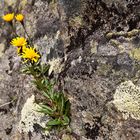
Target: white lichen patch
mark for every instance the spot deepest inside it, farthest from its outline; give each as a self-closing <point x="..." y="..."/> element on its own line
<point x="30" y="116"/>
<point x="56" y="65"/>
<point x="127" y="100"/>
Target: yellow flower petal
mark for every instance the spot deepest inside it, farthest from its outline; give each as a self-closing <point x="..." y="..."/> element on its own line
<point x="19" y="17"/>
<point x="30" y="54"/>
<point x="8" y="17"/>
<point x="19" y="41"/>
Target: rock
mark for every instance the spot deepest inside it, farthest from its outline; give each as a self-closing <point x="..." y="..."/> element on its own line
<point x="125" y="61"/>
<point x="107" y="50"/>
<point x="1" y="49"/>
<point x="98" y="45"/>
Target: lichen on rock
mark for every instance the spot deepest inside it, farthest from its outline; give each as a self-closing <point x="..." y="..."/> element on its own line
<point x="127" y="100"/>
<point x="55" y="65"/>
<point x="135" y="53"/>
<point x="30" y="116"/>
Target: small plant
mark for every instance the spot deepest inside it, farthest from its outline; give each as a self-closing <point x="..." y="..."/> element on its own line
<point x="55" y="105"/>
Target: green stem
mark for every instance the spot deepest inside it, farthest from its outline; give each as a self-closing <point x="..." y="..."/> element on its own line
<point x="30" y="41"/>
<point x="14" y="29"/>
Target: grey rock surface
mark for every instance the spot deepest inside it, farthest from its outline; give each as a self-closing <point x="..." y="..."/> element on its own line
<point x="99" y="43"/>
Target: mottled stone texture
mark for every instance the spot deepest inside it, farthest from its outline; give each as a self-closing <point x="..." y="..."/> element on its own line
<point x="97" y="41"/>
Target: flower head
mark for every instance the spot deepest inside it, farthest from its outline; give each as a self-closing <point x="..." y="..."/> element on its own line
<point x="19" y="41"/>
<point x="30" y="54"/>
<point x="19" y="17"/>
<point x="8" y="17"/>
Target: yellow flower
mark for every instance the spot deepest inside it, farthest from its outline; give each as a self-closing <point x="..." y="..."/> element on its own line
<point x="19" y="17"/>
<point x="19" y="41"/>
<point x="8" y="17"/>
<point x="30" y="54"/>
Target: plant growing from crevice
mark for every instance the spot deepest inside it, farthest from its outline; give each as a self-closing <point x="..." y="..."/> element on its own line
<point x="56" y="104"/>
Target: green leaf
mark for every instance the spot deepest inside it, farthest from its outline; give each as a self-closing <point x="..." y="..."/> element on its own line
<point x="45" y="94"/>
<point x="48" y="128"/>
<point x="65" y="120"/>
<point x="43" y="81"/>
<point x="67" y="108"/>
<point x="45" y="109"/>
<point x="45" y="68"/>
<point x="38" y="84"/>
<point x="62" y="98"/>
<point x="36" y="69"/>
<point x="54" y="122"/>
<point x="26" y="70"/>
<point x="57" y="97"/>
